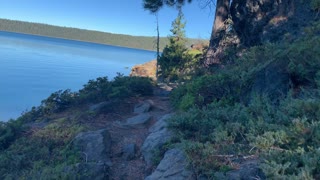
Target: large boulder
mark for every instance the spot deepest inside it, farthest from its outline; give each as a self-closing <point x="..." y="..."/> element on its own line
<point x="159" y="135"/>
<point x="172" y="167"/>
<point x="95" y="146"/>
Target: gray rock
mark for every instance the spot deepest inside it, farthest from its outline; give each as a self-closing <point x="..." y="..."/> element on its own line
<point x="248" y="171"/>
<point x="143" y="107"/>
<point x="129" y="151"/>
<point x="160" y="124"/>
<point x="158" y="136"/>
<point x="139" y="121"/>
<point x="172" y="167"/>
<point x="99" y="106"/>
<point x="95" y="145"/>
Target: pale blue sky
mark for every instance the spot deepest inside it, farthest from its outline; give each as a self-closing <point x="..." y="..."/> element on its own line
<point x="115" y="16"/>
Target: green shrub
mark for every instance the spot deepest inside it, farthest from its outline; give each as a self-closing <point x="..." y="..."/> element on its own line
<point x="31" y="116"/>
<point x="304" y="61"/>
<point x="9" y="131"/>
<point x="124" y="87"/>
<point x="121" y="87"/>
<point x="95" y="90"/>
<point x="58" y="101"/>
<point x="207" y="89"/>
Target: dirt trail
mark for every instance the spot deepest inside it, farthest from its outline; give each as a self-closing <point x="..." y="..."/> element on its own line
<point x="135" y="168"/>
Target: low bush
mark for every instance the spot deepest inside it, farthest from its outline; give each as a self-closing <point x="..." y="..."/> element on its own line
<point x="9" y="131"/>
<point x="44" y="149"/>
<point x="215" y="137"/>
<point x="206" y="89"/>
<point x="58" y="101"/>
<point x="121" y="87"/>
<point x="94" y="91"/>
<point x="315" y="5"/>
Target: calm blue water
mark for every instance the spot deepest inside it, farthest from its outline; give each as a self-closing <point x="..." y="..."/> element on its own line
<point x="33" y="67"/>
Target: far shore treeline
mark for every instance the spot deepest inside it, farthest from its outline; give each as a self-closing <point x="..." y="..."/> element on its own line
<point x="138" y="42"/>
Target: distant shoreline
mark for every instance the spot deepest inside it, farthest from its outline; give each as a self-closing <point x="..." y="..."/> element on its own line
<point x="83" y="35"/>
<point x="77" y="40"/>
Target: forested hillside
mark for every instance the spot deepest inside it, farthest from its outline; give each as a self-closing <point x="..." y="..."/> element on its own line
<point x="139" y="42"/>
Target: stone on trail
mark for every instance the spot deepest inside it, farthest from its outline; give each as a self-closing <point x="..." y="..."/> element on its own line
<point x="139" y="121"/>
<point x="99" y="106"/>
<point x="143" y="107"/>
<point x="129" y="151"/>
<point x="158" y="136"/>
<point x="172" y="167"/>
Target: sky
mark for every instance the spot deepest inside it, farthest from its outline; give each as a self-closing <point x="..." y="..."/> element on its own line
<point x="114" y="16"/>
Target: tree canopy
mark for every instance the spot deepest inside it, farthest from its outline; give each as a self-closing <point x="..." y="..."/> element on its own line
<point x="155" y="5"/>
<point x="221" y="15"/>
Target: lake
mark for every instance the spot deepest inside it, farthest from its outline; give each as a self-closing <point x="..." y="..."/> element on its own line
<point x="33" y="67"/>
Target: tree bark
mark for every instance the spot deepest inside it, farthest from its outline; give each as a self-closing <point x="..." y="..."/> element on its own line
<point x="221" y="15"/>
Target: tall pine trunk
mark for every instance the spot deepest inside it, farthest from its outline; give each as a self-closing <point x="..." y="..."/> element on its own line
<point x="158" y="49"/>
<point x="221" y="15"/>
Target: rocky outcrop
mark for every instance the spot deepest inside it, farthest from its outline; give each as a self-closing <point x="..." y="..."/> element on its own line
<point x="158" y="136"/>
<point x="145" y="70"/>
<point x="172" y="167"/>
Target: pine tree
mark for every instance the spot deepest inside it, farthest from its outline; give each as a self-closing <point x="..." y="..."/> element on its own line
<point x="172" y="59"/>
